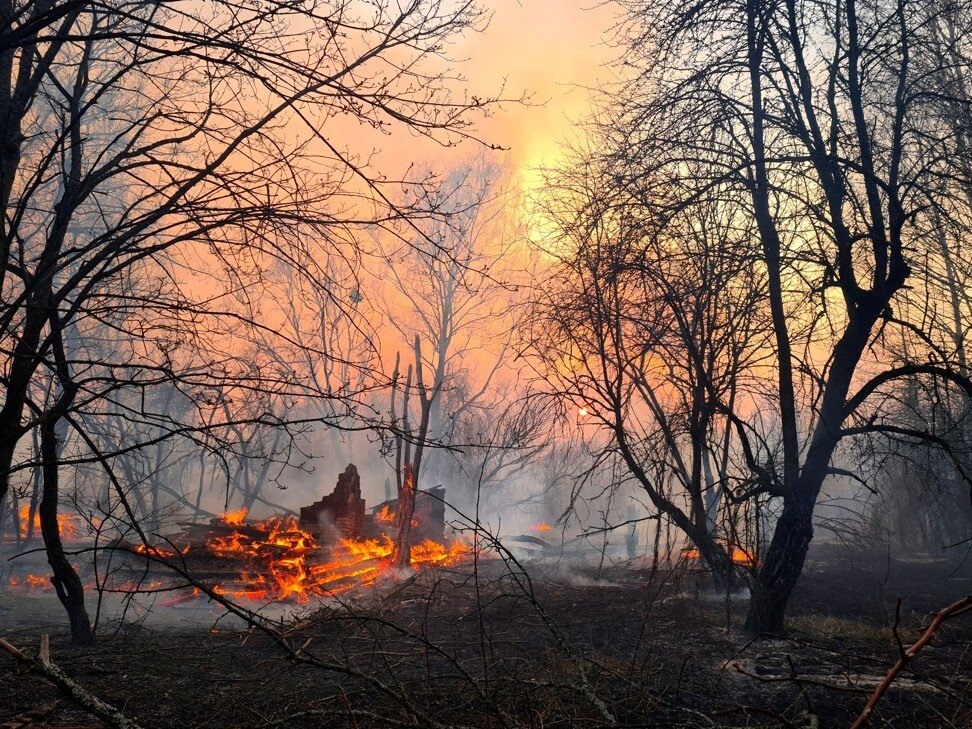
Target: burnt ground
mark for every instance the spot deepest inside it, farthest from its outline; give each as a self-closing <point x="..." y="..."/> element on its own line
<point x="450" y="650"/>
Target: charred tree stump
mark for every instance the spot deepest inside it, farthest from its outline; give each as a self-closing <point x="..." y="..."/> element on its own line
<point x="406" y="510"/>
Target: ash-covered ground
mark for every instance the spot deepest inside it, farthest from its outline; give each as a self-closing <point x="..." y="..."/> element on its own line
<point x="482" y="646"/>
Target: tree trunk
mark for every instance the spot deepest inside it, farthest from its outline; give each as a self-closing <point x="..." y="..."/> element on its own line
<point x="781" y="569"/>
<point x="66" y="582"/>
<point x="719" y="561"/>
<point x="37" y="479"/>
<point x="406" y="510"/>
<point x="23" y="364"/>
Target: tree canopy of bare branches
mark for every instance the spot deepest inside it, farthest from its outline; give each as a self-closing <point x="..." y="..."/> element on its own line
<point x="823" y="133"/>
<point x="165" y="168"/>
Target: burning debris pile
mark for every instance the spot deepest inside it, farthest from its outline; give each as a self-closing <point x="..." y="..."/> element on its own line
<point x="341" y="514"/>
<point x="332" y="548"/>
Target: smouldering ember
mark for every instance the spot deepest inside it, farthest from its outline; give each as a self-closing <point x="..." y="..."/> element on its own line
<point x="737" y="554"/>
<point x="33" y="582"/>
<point x="541" y="527"/>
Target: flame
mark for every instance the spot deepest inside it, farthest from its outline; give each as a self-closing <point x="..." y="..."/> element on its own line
<point x="736" y="554"/>
<point x="386" y="516"/>
<point x="541" y="527"/>
<point x="161" y="552"/>
<point x="429" y="552"/>
<point x="276" y="560"/>
<point x="283" y="562"/>
<point x="31" y="582"/>
<point x="234" y="518"/>
<point x="67" y="524"/>
<point x="741" y="556"/>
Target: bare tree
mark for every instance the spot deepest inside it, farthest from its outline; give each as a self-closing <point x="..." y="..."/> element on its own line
<point x="159" y="160"/>
<point x="820" y="113"/>
<point x="410" y="441"/>
<point x="455" y="289"/>
<point x="453" y="285"/>
<point x="648" y="330"/>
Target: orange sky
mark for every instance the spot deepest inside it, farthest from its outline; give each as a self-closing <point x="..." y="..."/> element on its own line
<point x="551" y="49"/>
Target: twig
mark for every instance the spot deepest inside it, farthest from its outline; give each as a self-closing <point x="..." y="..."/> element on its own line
<point x="956" y="608"/>
<point x="799" y="681"/>
<point x="53" y="673"/>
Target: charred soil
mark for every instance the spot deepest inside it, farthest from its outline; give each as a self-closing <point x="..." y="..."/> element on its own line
<point x="577" y="649"/>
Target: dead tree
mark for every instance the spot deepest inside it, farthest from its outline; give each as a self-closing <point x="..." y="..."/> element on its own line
<point x="410" y="442"/>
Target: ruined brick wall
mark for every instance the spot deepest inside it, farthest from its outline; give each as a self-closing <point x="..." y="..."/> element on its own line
<point x="340" y="514"/>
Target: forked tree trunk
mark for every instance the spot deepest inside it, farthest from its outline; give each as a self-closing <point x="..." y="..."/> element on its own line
<point x="66" y="582"/>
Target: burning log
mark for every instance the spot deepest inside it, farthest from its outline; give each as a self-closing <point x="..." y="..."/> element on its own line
<point x="340" y="514"/>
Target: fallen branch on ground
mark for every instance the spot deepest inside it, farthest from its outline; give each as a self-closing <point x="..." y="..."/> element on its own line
<point x="43" y="665"/>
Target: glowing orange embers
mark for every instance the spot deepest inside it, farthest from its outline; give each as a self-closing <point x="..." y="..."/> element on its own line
<point x="541" y="527"/>
<point x="737" y="554"/>
<point x="31" y="582"/>
<point x="276" y="560"/>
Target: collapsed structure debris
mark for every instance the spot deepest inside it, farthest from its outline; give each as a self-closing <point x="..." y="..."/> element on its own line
<point x="428" y="521"/>
<point x="333" y="546"/>
<point x="340" y="514"/>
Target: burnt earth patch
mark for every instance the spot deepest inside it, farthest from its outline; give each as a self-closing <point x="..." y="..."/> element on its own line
<point x="583" y="646"/>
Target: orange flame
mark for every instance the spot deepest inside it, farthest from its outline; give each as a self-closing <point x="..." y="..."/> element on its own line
<point x="276" y="560"/>
<point x="283" y="562"/>
<point x="234" y="518"/>
<point x="741" y="556"/>
<point x="541" y="527"/>
<point x="387" y="516"/>
<point x="67" y="524"/>
<point x="736" y="554"/>
<point x="31" y="582"/>
<point x="161" y="552"/>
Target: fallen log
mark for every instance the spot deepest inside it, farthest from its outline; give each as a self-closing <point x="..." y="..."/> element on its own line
<point x="43" y="665"/>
